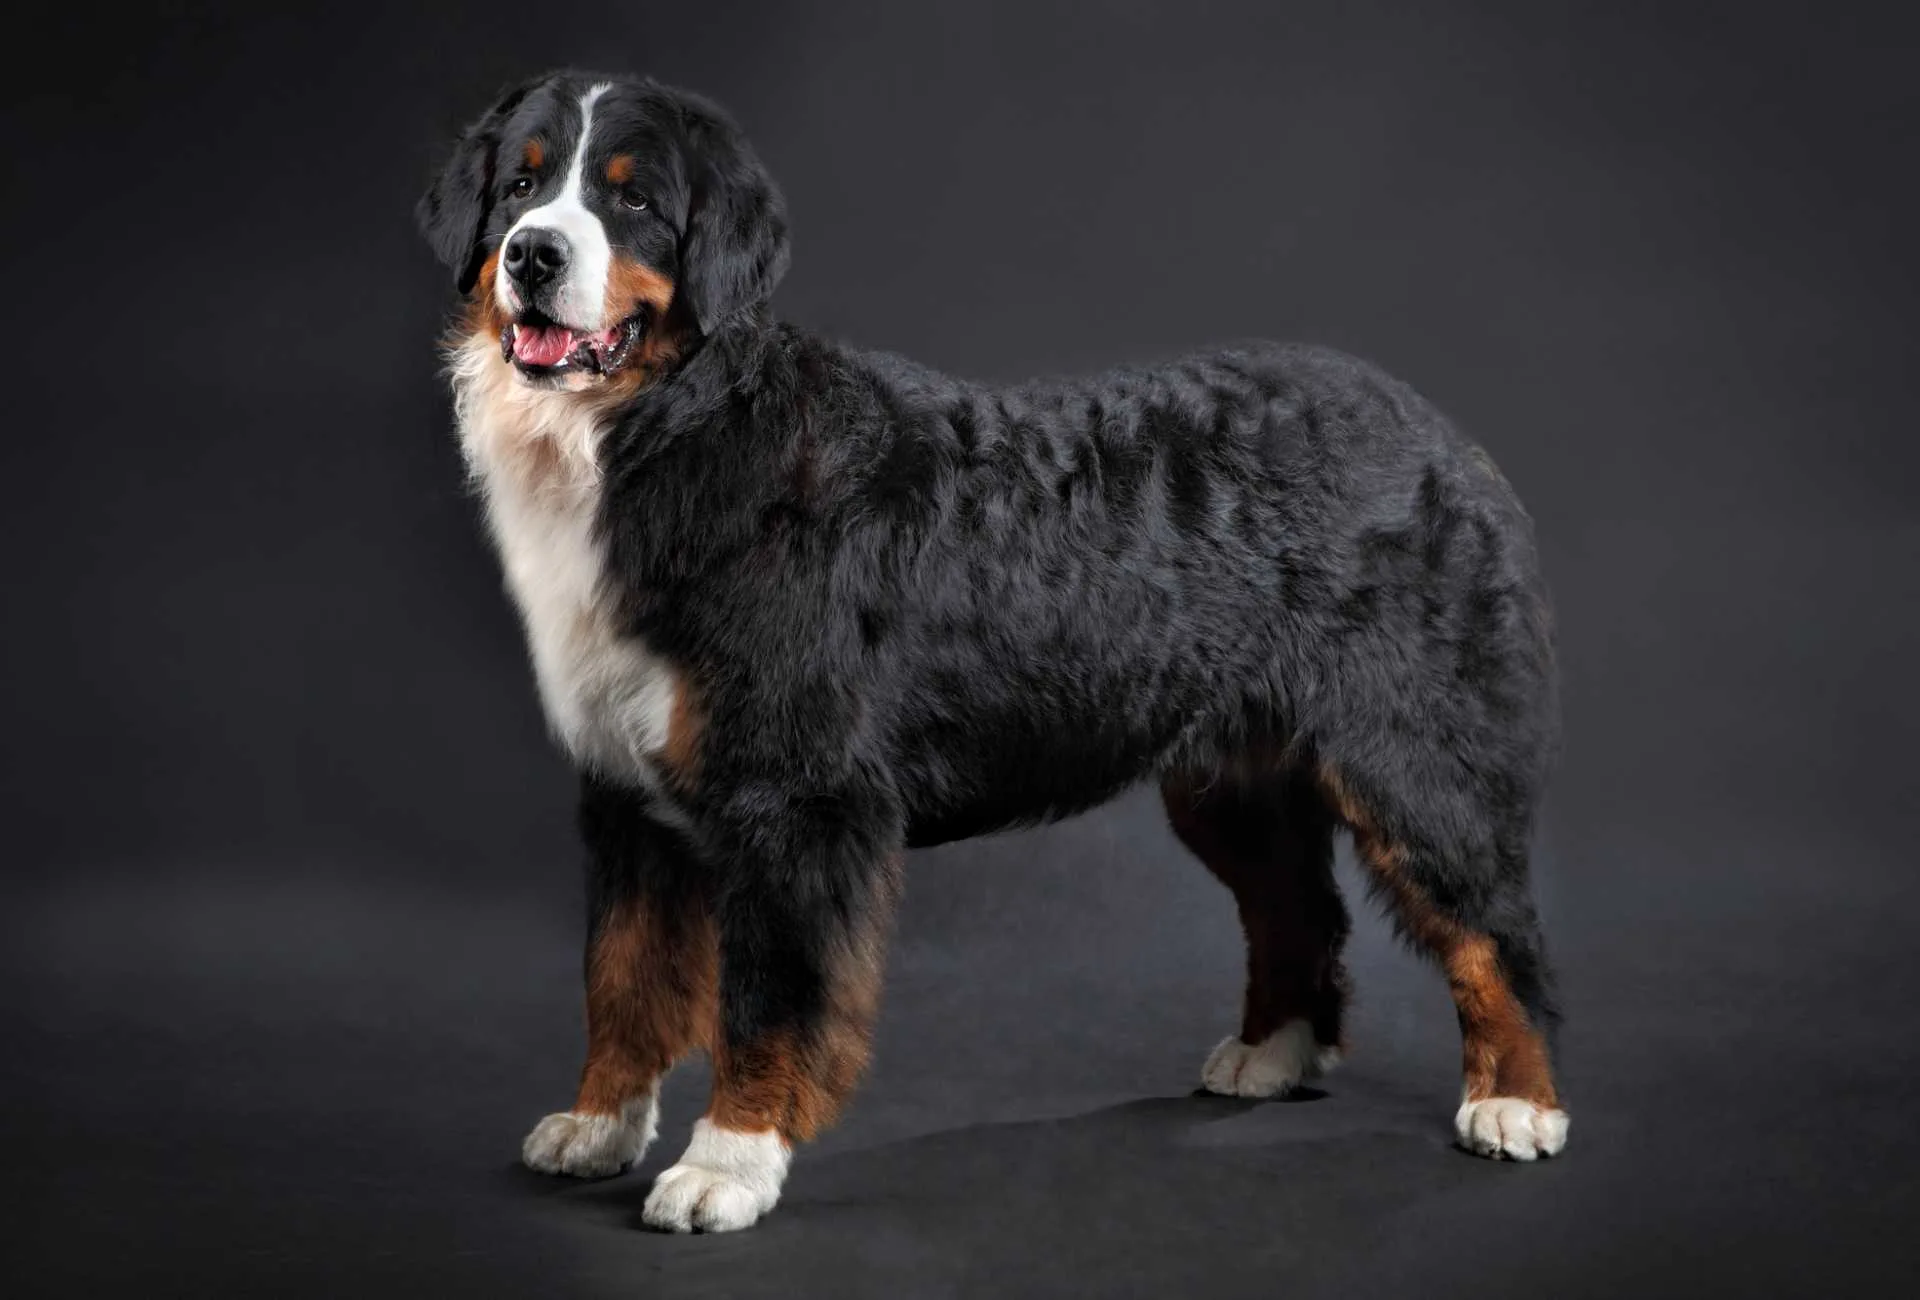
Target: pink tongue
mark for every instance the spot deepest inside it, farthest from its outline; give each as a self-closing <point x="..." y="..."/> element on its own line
<point x="542" y="347"/>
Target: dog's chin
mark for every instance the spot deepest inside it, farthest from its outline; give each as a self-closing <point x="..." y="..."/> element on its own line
<point x="547" y="354"/>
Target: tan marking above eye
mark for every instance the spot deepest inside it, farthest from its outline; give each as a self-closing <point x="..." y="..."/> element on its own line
<point x="620" y="168"/>
<point x="535" y="154"/>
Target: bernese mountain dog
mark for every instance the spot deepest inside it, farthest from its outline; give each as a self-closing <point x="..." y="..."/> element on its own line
<point x="794" y="608"/>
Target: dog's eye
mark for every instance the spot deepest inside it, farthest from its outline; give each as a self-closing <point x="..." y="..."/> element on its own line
<point x="523" y="187"/>
<point x="637" y="202"/>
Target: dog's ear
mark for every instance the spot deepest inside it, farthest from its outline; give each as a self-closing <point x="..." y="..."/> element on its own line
<point x="736" y="244"/>
<point x="454" y="209"/>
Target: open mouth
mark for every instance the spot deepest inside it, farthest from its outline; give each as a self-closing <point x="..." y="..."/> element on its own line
<point x="537" y="346"/>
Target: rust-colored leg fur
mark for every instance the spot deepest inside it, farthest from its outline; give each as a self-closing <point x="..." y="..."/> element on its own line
<point x="651" y="988"/>
<point x="792" y="1038"/>
<point x="1510" y="1104"/>
<point x="794" y="1082"/>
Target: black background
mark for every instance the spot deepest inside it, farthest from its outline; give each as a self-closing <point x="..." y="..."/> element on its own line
<point x="292" y="907"/>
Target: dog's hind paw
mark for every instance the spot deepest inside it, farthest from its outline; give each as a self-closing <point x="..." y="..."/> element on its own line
<point x="1270" y="1067"/>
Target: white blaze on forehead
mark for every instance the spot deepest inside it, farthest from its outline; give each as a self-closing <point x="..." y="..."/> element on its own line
<point x="581" y="298"/>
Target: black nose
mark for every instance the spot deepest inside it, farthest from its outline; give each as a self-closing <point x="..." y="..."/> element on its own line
<point x="535" y="255"/>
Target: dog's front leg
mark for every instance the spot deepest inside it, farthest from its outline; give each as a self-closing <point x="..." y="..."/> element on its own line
<point x="803" y="921"/>
<point x="652" y="952"/>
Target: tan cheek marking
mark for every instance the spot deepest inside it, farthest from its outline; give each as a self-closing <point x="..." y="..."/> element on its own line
<point x="630" y="283"/>
<point x="483" y="315"/>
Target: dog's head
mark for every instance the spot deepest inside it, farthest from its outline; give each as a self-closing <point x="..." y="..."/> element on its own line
<point x="590" y="220"/>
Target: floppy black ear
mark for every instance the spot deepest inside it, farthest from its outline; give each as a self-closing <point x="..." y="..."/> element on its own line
<point x="454" y="209"/>
<point x="736" y="248"/>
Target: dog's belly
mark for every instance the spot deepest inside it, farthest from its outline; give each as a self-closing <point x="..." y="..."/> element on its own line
<point x="1009" y="810"/>
<point x="1004" y="806"/>
<point x="990" y="779"/>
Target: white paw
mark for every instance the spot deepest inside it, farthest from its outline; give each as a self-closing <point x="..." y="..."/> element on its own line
<point x="1510" y="1128"/>
<point x="592" y="1146"/>
<point x="725" y="1181"/>
<point x="1270" y="1067"/>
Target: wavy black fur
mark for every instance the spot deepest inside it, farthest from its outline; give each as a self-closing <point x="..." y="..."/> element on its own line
<point x="970" y="608"/>
<point x="920" y="608"/>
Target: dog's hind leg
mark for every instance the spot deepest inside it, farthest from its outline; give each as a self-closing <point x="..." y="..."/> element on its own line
<point x="1463" y="899"/>
<point x="1268" y="836"/>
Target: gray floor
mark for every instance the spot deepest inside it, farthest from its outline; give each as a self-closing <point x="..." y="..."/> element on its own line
<point x="314" y="1082"/>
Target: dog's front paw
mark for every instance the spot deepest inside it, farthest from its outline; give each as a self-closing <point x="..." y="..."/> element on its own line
<point x="1270" y="1067"/>
<point x="686" y="1197"/>
<point x="725" y="1181"/>
<point x="591" y="1146"/>
<point x="1510" y="1128"/>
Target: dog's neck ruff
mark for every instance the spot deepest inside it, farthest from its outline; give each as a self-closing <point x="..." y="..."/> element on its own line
<point x="533" y="452"/>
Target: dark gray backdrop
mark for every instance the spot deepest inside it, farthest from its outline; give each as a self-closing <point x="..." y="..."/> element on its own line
<point x="292" y="909"/>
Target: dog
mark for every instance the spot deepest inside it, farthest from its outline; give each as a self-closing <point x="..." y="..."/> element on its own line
<point x="794" y="608"/>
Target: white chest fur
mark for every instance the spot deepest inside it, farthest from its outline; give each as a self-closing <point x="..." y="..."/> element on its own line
<point x="607" y="698"/>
